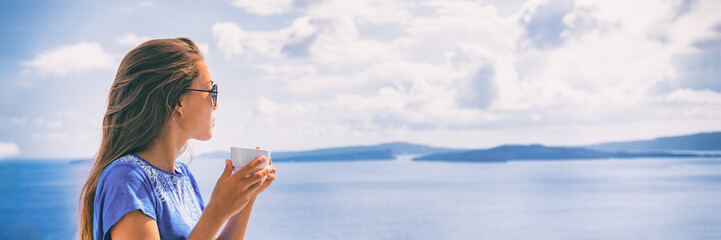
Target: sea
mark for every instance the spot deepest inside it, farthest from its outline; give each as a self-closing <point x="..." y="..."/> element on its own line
<point x="642" y="198"/>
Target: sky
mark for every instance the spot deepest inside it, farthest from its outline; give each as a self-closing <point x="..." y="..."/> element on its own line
<point x="307" y="74"/>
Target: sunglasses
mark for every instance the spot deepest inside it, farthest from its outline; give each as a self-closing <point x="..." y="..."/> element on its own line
<point x="213" y="94"/>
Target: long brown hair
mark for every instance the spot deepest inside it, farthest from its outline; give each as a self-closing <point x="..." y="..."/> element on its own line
<point x="150" y="82"/>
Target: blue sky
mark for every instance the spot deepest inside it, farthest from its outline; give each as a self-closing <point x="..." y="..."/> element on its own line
<point x="303" y="74"/>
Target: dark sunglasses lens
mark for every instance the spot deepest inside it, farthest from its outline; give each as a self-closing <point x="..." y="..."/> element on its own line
<point x="214" y="95"/>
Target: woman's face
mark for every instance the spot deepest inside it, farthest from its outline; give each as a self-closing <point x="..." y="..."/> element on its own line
<point x="197" y="118"/>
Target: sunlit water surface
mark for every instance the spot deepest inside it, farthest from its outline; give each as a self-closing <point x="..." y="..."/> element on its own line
<point x="399" y="199"/>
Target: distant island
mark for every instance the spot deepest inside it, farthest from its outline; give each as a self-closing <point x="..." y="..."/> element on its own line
<point x="678" y="146"/>
<point x="695" y="142"/>
<point x="385" y="151"/>
<point x="540" y="152"/>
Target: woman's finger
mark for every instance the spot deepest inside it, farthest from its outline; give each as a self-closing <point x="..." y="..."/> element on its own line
<point x="256" y="177"/>
<point x="250" y="167"/>
<point x="227" y="171"/>
<point x="257" y="184"/>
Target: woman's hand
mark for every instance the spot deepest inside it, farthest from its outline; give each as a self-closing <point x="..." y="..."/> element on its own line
<point x="268" y="180"/>
<point x="233" y="190"/>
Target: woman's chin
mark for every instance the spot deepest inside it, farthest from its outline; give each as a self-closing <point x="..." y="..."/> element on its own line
<point x="205" y="137"/>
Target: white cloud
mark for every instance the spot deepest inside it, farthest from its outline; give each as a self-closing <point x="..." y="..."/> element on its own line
<point x="420" y="106"/>
<point x="230" y="38"/>
<point x="79" y="57"/>
<point x="615" y="63"/>
<point x="55" y="124"/>
<point x="69" y="113"/>
<point x="130" y="39"/>
<point x="233" y="40"/>
<point x="339" y="43"/>
<point x="328" y="33"/>
<point x="369" y="11"/>
<point x="19" y="121"/>
<point x="8" y="149"/>
<point x="695" y="97"/>
<point x="287" y="71"/>
<point x="463" y="22"/>
<point x="146" y="4"/>
<point x="267" y="7"/>
<point x="56" y="136"/>
<point x="363" y="12"/>
<point x="39" y="121"/>
<point x="65" y="133"/>
<point x="608" y="60"/>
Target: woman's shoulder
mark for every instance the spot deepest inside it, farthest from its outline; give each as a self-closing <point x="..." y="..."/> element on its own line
<point x="127" y="167"/>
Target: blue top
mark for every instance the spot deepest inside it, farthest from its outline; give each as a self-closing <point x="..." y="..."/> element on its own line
<point x="131" y="183"/>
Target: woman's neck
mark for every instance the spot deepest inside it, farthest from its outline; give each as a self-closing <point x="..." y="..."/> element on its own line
<point x="164" y="149"/>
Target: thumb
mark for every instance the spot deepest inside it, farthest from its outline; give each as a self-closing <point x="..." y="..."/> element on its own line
<point x="227" y="171"/>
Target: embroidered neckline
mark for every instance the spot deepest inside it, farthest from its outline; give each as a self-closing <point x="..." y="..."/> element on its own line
<point x="176" y="166"/>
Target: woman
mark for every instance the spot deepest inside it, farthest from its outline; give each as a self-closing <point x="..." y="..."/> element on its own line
<point x="162" y="96"/>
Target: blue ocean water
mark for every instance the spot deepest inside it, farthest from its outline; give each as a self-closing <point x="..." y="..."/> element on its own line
<point x="39" y="199"/>
<point x="648" y="198"/>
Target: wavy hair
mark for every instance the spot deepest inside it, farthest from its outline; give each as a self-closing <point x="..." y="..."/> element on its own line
<point x="149" y="84"/>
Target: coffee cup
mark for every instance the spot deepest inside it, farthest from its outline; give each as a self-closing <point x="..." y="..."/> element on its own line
<point x="240" y="157"/>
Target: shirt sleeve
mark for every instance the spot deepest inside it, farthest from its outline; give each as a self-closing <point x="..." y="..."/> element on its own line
<point x="123" y="189"/>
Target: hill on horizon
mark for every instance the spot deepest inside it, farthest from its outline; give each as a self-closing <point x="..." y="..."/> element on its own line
<point x="659" y="147"/>
<point x="539" y="152"/>
<point x="708" y="141"/>
<point x="383" y="151"/>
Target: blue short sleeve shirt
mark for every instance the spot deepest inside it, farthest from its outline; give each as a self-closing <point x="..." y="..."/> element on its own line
<point x="130" y="183"/>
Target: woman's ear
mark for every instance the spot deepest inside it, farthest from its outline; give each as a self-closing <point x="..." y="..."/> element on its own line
<point x="178" y="111"/>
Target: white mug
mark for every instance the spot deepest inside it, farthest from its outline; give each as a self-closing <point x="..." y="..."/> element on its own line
<point x="240" y="157"/>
